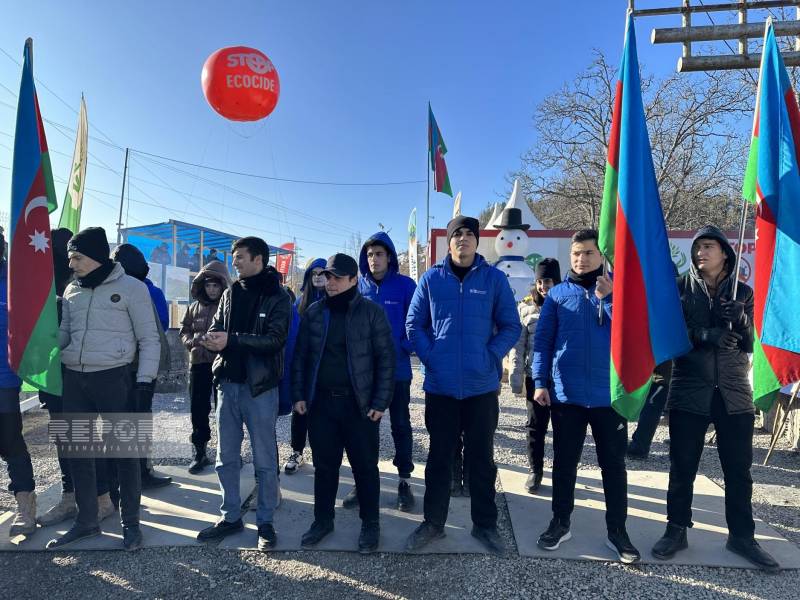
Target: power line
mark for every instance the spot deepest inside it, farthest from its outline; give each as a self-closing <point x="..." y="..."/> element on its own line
<point x="284" y="179"/>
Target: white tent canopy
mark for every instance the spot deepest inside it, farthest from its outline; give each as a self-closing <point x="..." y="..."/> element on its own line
<point x="517" y="200"/>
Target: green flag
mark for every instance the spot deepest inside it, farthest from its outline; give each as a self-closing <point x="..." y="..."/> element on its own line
<point x="73" y="200"/>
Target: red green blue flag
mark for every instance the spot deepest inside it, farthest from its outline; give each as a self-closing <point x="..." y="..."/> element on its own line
<point x="32" y="319"/>
<point x="772" y="183"/>
<point x="437" y="150"/>
<point x="647" y="327"/>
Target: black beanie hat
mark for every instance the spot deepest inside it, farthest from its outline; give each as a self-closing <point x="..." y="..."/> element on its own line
<point x="132" y="260"/>
<point x="548" y="268"/>
<point x="460" y="221"/>
<point x="91" y="242"/>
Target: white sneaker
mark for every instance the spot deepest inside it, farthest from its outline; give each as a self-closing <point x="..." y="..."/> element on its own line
<point x="295" y="461"/>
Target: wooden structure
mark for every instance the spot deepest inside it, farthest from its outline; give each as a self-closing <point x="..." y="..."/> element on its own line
<point x="742" y="31"/>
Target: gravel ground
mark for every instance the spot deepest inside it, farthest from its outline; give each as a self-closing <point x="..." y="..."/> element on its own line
<point x="211" y="572"/>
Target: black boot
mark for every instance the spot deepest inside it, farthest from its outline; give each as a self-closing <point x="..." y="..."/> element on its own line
<point x="534" y="481"/>
<point x="748" y="548"/>
<point x="369" y="537"/>
<point x="673" y="540"/>
<point x="150" y="479"/>
<point x="200" y="460"/>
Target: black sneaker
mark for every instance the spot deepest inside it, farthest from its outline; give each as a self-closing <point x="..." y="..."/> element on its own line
<point x="749" y="549"/>
<point x="489" y="537"/>
<point x="75" y="533"/>
<point x="316" y="533"/>
<point x="556" y="533"/>
<point x="534" y="481"/>
<point x="673" y="541"/>
<point x="220" y="530"/>
<point x="423" y="535"/>
<point x="405" y="498"/>
<point x="369" y="537"/>
<point x="151" y="480"/>
<point x="266" y="537"/>
<point x="351" y="499"/>
<point x="131" y="537"/>
<point x="620" y="543"/>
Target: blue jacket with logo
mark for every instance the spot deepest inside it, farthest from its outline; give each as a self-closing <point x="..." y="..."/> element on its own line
<point x="462" y="330"/>
<point x="394" y="295"/>
<point x="8" y="379"/>
<point x="571" y="348"/>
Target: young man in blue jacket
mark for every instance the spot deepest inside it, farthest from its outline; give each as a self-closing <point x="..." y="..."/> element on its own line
<point x="462" y="322"/>
<point x="382" y="283"/>
<point x="571" y="346"/>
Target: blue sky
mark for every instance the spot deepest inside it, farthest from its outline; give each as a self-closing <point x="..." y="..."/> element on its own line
<point x="356" y="77"/>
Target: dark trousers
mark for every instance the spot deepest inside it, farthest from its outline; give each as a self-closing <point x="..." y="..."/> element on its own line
<point x="12" y="445"/>
<point x="538" y="420"/>
<point x="55" y="406"/>
<point x="299" y="431"/>
<point x="105" y="391"/>
<point x="201" y="387"/>
<point x="445" y="418"/>
<point x="610" y="433"/>
<point x="400" y="417"/>
<point x="335" y="424"/>
<point x="649" y="417"/>
<point x="735" y="446"/>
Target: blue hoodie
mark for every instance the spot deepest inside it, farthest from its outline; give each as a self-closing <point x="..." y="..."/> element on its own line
<point x="394" y="295"/>
<point x="160" y="302"/>
<point x="316" y="295"/>
<point x="8" y="379"/>
<point x="462" y="330"/>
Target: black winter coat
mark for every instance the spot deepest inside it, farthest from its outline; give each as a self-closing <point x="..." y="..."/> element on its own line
<point x="265" y="343"/>
<point x="698" y="373"/>
<point x="370" y="353"/>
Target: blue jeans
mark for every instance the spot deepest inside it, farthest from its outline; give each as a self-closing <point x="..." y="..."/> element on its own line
<point x="12" y="445"/>
<point x="236" y="407"/>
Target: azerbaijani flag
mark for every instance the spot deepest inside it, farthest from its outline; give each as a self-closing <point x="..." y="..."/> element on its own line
<point x="437" y="150"/>
<point x="648" y="327"/>
<point x="32" y="319"/>
<point x="772" y="182"/>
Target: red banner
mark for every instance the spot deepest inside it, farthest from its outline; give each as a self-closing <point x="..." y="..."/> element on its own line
<point x="283" y="262"/>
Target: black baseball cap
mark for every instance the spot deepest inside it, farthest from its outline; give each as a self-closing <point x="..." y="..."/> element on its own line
<point x="341" y="265"/>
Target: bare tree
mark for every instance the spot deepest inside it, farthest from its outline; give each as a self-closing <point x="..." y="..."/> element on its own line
<point x="699" y="132"/>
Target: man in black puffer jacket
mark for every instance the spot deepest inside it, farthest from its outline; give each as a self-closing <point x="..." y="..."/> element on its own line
<point x="249" y="332"/>
<point x="710" y="385"/>
<point x="343" y="375"/>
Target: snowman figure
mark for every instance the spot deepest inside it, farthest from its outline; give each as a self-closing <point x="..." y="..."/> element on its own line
<point x="511" y="247"/>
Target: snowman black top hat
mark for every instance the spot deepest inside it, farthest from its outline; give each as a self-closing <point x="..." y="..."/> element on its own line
<point x="511" y="218"/>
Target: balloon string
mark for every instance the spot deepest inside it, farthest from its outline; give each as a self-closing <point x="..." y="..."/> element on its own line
<point x="257" y="131"/>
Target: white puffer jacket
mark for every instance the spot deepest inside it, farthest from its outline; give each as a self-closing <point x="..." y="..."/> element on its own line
<point x="103" y="328"/>
<point x="521" y="355"/>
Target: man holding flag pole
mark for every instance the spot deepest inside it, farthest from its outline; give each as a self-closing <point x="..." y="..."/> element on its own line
<point x="727" y="320"/>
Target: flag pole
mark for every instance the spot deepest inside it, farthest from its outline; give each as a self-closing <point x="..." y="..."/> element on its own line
<point x="428" y="192"/>
<point x="739" y="249"/>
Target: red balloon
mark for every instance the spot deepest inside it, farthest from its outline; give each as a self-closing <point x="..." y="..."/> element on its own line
<point x="240" y="83"/>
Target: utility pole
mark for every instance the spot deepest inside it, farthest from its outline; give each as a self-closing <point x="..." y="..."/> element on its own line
<point x="122" y="197"/>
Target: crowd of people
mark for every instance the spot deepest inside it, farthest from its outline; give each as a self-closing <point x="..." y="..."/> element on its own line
<point x="338" y="357"/>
